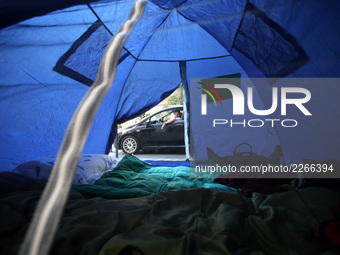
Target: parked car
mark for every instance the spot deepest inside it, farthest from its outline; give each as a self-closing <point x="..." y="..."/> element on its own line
<point x="149" y="135"/>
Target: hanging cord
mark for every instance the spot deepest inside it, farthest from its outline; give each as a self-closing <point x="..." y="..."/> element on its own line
<point x="44" y="224"/>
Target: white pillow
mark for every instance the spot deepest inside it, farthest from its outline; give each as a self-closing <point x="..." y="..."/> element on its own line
<point x="89" y="169"/>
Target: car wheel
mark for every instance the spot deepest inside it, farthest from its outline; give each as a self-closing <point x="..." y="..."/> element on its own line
<point x="130" y="144"/>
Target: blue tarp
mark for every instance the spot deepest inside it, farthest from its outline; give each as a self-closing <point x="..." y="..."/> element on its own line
<point x="50" y="56"/>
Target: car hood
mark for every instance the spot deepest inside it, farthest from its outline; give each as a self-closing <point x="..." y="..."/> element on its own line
<point x="126" y="129"/>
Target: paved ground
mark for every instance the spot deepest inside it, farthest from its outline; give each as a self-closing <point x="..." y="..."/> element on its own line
<point x="166" y="155"/>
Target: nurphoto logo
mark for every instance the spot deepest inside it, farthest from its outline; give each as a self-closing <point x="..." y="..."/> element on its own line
<point x="238" y="104"/>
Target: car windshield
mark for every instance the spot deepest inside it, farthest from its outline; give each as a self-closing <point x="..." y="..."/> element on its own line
<point x="162" y="116"/>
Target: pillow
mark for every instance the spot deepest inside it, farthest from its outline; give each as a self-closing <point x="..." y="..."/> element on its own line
<point x="89" y="169"/>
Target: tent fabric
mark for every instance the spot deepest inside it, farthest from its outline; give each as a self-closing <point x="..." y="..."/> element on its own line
<point x="50" y="54"/>
<point x="279" y="51"/>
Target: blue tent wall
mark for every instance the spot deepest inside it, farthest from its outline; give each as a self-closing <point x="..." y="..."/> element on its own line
<point x="48" y="62"/>
<point x="38" y="102"/>
<point x="313" y="25"/>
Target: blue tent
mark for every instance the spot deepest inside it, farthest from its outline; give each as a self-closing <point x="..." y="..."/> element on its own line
<point x="50" y="54"/>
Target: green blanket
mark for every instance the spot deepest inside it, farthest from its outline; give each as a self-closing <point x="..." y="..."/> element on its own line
<point x="184" y="222"/>
<point x="135" y="178"/>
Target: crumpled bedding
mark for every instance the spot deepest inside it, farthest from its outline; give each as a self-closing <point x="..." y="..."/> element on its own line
<point x="191" y="221"/>
<point x="89" y="168"/>
<point x="133" y="177"/>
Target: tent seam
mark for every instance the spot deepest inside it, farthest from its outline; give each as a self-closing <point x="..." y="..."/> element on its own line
<point x="110" y="32"/>
<point x="95" y="14"/>
<point x="180" y="13"/>
<point x="186" y="60"/>
<point x="154" y="33"/>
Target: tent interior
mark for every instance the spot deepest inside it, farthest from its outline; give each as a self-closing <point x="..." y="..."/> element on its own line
<point x="51" y="53"/>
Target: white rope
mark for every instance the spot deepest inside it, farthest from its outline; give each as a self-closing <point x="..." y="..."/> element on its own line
<point x="44" y="224"/>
